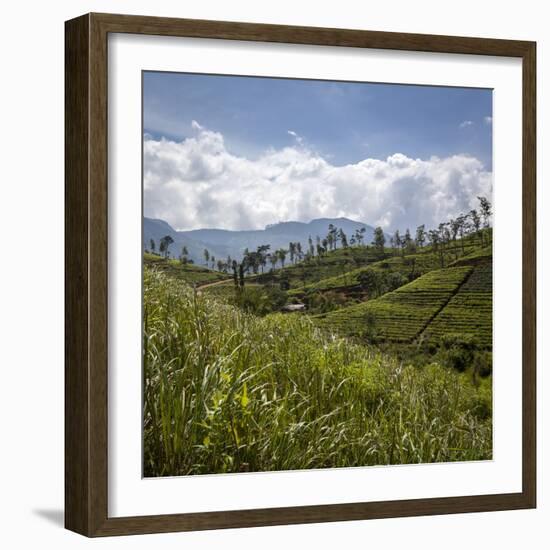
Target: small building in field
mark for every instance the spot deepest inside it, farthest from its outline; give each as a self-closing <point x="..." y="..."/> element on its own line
<point x="293" y="307"/>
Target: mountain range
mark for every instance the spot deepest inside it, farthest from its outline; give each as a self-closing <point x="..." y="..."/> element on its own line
<point x="223" y="242"/>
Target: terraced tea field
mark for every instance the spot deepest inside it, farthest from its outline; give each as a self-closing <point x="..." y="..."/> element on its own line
<point x="420" y="263"/>
<point x="401" y="315"/>
<point x="479" y="256"/>
<point x="470" y="311"/>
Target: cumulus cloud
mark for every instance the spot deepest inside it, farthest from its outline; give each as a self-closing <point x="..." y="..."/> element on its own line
<point x="466" y="123"/>
<point x="198" y="183"/>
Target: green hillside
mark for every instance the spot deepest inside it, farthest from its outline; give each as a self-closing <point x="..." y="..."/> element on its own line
<point x="190" y="273"/>
<point x="454" y="300"/>
<point x="401" y="315"/>
<point x="331" y="264"/>
<point x="408" y="265"/>
<point x="477" y="256"/>
<point x="227" y="391"/>
<point x="294" y="276"/>
<point x="354" y="349"/>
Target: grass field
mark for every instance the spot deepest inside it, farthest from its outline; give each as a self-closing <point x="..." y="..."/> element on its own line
<point x="226" y="391"/>
<point x="401" y="315"/>
<point x="190" y="273"/>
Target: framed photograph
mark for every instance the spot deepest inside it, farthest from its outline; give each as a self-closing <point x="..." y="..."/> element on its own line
<point x="300" y="275"/>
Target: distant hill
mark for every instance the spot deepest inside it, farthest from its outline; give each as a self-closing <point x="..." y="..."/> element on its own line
<point x="223" y="242"/>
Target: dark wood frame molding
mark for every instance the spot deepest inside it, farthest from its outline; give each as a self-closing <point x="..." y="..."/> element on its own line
<point x="86" y="274"/>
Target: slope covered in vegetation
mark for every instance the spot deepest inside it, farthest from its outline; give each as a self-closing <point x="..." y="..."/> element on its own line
<point x="470" y="312"/>
<point x="401" y="315"/>
<point x="408" y="265"/>
<point x="226" y="391"/>
<point x="331" y="263"/>
<point x="480" y="255"/>
<point x="187" y="272"/>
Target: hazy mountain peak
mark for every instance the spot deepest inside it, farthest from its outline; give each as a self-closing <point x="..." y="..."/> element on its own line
<point x="224" y="242"/>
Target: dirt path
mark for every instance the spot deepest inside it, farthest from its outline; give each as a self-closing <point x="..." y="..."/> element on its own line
<point x="215" y="283"/>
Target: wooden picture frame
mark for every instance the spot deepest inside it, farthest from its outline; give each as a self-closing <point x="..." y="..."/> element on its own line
<point x="86" y="280"/>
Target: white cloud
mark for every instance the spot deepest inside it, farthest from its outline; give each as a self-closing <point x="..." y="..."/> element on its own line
<point x="196" y="126"/>
<point x="488" y="120"/>
<point x="466" y="123"/>
<point x="299" y="139"/>
<point x="199" y="183"/>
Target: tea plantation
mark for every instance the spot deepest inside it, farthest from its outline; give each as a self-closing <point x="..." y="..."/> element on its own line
<point x="470" y="311"/>
<point x="401" y="315"/>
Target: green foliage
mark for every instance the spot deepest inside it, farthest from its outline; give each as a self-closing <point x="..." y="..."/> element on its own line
<point x="379" y="240"/>
<point x="259" y="300"/>
<point x="183" y="271"/>
<point x="394" y="280"/>
<point x="483" y="364"/>
<point x="470" y="312"/>
<point x="330" y="264"/>
<point x="226" y="391"/>
<point x="323" y="302"/>
<point x="401" y="315"/>
<point x="370" y="281"/>
<point x="284" y="281"/>
<point x="409" y="266"/>
<point x="164" y="246"/>
<point x="457" y="351"/>
<point x="479" y="256"/>
<point x="368" y="329"/>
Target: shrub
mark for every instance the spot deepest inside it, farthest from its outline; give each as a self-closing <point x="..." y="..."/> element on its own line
<point x="369" y="327"/>
<point x="483" y="363"/>
<point x="260" y="300"/>
<point x="323" y="302"/>
<point x="463" y="341"/>
<point x="370" y="281"/>
<point x="458" y="351"/>
<point x="284" y="281"/>
<point x="395" y="279"/>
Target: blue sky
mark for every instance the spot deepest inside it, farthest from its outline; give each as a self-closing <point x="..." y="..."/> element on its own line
<point x="245" y="152"/>
<point x="345" y="122"/>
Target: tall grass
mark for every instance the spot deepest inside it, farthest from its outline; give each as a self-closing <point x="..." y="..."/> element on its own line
<point x="226" y="391"/>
